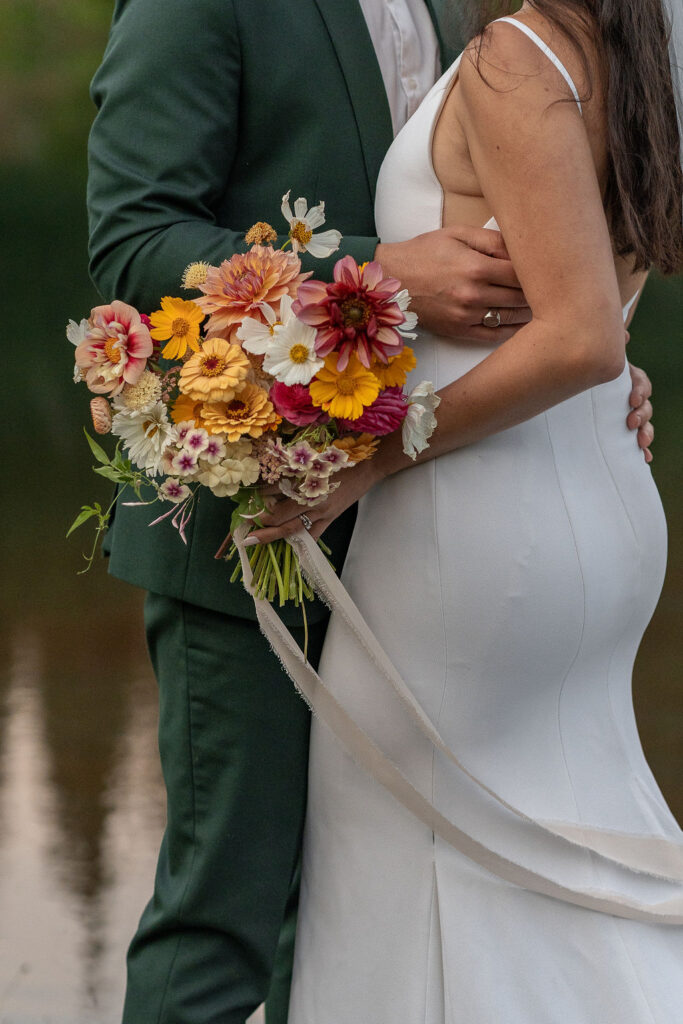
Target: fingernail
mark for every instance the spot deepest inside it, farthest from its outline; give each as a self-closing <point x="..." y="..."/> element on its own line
<point x="250" y="541"/>
<point x="639" y="420"/>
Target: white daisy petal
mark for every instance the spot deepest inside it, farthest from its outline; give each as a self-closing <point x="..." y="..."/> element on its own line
<point x="286" y="208"/>
<point x="316" y="216"/>
<point x="286" y="314"/>
<point x="300" y="208"/>
<point x="324" y="244"/>
<point x="268" y="312"/>
<point x="255" y="336"/>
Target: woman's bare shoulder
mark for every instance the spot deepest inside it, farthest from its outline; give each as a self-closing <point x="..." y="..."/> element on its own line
<point x="505" y="59"/>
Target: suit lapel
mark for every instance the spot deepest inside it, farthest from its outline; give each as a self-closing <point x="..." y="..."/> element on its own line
<point x="351" y="40"/>
<point x="434" y="8"/>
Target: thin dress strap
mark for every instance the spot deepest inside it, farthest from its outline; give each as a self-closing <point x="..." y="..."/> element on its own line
<point x="549" y="54"/>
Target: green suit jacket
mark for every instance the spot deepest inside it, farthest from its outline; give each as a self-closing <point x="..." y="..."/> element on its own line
<point x="208" y="112"/>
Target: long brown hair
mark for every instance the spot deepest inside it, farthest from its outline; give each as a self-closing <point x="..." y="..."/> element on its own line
<point x="643" y="196"/>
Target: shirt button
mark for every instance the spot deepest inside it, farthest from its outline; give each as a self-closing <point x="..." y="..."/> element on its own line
<point x="412" y="83"/>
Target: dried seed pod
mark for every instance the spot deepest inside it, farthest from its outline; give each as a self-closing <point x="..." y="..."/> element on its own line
<point x="100" y="410"/>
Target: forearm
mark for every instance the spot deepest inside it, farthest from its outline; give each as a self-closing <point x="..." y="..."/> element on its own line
<point x="148" y="263"/>
<point x="540" y="367"/>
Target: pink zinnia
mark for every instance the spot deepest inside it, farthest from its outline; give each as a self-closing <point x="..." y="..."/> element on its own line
<point x="385" y="415"/>
<point x="115" y="350"/>
<point x="293" y="403"/>
<point x="357" y="313"/>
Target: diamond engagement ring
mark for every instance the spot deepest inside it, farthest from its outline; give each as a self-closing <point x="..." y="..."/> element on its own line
<point x="492" y="318"/>
<point x="306" y="521"/>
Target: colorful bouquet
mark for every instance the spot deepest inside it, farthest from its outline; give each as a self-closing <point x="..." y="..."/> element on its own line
<point x="269" y="378"/>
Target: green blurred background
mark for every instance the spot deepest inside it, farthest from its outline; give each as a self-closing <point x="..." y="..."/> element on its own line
<point x="81" y="804"/>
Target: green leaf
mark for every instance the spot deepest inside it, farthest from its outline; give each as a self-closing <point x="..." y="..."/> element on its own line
<point x="82" y="517"/>
<point x="97" y="451"/>
<point x="110" y="472"/>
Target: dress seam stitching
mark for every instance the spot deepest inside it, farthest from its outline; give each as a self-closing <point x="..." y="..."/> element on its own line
<point x="583" y="620"/>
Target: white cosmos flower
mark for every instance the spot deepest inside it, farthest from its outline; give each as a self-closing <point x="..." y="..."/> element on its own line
<point x="302" y="224"/>
<point x="291" y="356"/>
<point x="420" y="421"/>
<point x="410" y="323"/>
<point x="145" y="435"/>
<point x="76" y="333"/>
<point x="257" y="336"/>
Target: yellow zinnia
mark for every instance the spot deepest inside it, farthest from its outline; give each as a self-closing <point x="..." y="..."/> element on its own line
<point x="344" y="394"/>
<point x="249" y="413"/>
<point x="179" y="321"/>
<point x="214" y="373"/>
<point x="393" y="374"/>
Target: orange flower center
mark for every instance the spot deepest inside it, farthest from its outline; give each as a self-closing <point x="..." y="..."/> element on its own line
<point x="237" y="410"/>
<point x="154" y="428"/>
<point x="111" y="351"/>
<point x="212" y="366"/>
<point x="355" y="312"/>
<point x="346" y="385"/>
<point x="300" y="232"/>
<point x="180" y="327"/>
<point x="298" y="353"/>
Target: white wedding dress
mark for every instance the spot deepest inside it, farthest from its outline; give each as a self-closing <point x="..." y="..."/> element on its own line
<point x="510" y="583"/>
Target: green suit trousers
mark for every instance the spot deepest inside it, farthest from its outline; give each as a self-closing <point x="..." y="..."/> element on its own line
<point x="233" y="737"/>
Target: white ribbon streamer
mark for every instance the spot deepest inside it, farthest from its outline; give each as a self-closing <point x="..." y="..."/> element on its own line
<point x="650" y="855"/>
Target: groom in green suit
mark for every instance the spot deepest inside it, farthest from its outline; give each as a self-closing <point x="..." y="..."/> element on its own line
<point x="208" y="111"/>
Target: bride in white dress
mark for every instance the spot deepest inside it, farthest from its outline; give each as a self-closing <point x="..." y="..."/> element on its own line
<point x="524" y="868"/>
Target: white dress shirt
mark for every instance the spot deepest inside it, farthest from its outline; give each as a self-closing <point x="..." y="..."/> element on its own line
<point x="407" y="51"/>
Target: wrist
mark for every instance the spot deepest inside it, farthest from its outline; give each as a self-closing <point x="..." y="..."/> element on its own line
<point x="390" y="457"/>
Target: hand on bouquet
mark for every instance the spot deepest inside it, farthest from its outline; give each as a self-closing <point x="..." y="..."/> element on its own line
<point x="284" y="519"/>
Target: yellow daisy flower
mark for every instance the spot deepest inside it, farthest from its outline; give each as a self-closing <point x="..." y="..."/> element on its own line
<point x="393" y="374"/>
<point x="177" y="322"/>
<point x="344" y="394"/>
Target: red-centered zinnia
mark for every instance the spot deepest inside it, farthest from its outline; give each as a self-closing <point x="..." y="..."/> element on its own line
<point x="214" y="373"/>
<point x="249" y="414"/>
<point x="236" y="289"/>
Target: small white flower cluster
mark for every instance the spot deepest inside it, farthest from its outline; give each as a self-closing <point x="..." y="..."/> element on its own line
<point x="207" y="459"/>
<point x="303" y="472"/>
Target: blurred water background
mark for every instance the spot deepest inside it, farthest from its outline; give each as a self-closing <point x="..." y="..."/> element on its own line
<point x="81" y="799"/>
